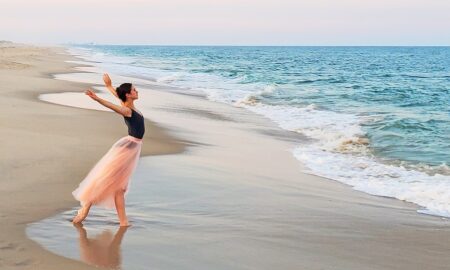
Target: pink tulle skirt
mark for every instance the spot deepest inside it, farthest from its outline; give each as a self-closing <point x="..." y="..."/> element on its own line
<point x="111" y="174"/>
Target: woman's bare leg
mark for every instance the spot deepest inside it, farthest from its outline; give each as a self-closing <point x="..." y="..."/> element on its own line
<point x="82" y="213"/>
<point x="119" y="200"/>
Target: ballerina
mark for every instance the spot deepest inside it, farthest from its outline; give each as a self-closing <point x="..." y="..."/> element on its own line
<point x="107" y="183"/>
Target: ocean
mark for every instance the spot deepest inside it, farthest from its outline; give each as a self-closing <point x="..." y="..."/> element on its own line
<point x="377" y="118"/>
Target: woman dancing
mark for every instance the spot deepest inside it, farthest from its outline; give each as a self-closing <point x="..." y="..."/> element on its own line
<point x="108" y="181"/>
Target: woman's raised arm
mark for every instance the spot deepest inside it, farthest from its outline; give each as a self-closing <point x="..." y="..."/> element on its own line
<point x="122" y="110"/>
<point x="108" y="85"/>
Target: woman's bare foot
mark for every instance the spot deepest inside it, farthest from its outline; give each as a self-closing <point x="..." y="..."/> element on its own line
<point x="82" y="214"/>
<point x="125" y="224"/>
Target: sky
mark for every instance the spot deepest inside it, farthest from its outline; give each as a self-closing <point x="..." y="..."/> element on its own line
<point x="230" y="22"/>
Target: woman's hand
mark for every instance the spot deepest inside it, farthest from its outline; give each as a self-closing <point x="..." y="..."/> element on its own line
<point x="107" y="80"/>
<point x="91" y="94"/>
<point x="109" y="86"/>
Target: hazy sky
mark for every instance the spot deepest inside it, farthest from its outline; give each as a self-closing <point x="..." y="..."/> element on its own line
<point x="230" y="22"/>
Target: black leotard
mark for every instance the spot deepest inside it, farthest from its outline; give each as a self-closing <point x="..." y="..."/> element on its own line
<point x="135" y="123"/>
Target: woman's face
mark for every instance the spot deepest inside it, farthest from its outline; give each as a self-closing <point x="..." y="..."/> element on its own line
<point x="134" y="94"/>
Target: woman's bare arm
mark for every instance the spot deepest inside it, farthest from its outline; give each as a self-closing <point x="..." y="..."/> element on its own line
<point x="122" y="110"/>
<point x="108" y="84"/>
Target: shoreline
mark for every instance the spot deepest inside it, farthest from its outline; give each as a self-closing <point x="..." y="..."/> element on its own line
<point x="49" y="149"/>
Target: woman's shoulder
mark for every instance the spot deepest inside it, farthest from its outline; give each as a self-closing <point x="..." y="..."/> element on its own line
<point x="128" y="112"/>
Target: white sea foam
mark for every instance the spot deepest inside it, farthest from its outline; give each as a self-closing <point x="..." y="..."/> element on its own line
<point x="332" y="131"/>
<point x="252" y="98"/>
<point x="169" y="78"/>
<point x="366" y="174"/>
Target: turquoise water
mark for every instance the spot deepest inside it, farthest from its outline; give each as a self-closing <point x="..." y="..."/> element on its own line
<point x="404" y="91"/>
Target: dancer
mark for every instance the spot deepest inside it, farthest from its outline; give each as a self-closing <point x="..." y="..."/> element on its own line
<point x="108" y="181"/>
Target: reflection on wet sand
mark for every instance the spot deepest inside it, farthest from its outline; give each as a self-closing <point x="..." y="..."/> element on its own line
<point x="103" y="249"/>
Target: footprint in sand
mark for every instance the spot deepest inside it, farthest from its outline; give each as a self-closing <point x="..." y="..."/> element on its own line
<point x="24" y="262"/>
<point x="7" y="246"/>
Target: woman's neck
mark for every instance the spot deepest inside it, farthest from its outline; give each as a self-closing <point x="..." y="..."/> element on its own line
<point x="129" y="103"/>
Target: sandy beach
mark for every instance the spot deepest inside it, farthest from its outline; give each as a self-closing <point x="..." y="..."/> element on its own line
<point x="225" y="170"/>
<point x="47" y="149"/>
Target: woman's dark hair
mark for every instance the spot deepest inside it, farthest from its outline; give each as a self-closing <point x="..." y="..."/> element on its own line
<point x="123" y="90"/>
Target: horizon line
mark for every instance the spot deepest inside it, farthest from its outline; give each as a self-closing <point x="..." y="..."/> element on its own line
<point x="248" y="45"/>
